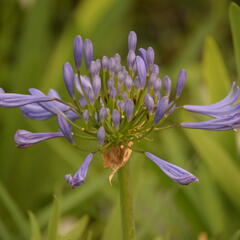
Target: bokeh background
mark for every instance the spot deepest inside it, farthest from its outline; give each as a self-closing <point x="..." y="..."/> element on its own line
<point x="36" y="39"/>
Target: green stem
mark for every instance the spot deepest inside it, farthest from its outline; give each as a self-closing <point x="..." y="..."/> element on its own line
<point x="128" y="224"/>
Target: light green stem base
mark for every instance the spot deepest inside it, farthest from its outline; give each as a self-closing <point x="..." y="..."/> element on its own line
<point x="128" y="224"/>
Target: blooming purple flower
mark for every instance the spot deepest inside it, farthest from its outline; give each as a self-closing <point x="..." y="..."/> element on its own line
<point x="177" y="174"/>
<point x="79" y="177"/>
<point x="117" y="106"/>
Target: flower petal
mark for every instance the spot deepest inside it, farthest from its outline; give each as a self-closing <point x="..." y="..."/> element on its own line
<point x="177" y="174"/>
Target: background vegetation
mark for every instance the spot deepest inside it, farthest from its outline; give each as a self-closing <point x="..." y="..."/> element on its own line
<point x="202" y="36"/>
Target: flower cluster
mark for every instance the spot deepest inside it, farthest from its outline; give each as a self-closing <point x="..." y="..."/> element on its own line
<point x="117" y="106"/>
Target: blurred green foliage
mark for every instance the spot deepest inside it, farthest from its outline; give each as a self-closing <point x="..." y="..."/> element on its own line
<point x="36" y="39"/>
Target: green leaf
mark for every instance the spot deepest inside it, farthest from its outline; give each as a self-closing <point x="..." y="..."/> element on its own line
<point x="234" y="15"/>
<point x="214" y="71"/>
<point x="35" y="229"/>
<point x="53" y="222"/>
<point x="78" y="229"/>
<point x="14" y="211"/>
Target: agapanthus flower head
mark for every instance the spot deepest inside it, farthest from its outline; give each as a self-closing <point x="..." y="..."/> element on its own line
<point x="117" y="106"/>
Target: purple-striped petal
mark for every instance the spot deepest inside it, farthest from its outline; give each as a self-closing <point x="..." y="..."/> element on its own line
<point x="161" y="109"/>
<point x="177" y="174"/>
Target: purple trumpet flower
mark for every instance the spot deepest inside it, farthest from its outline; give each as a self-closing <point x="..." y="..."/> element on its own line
<point x="182" y="77"/>
<point x="65" y="127"/>
<point x="177" y="174"/>
<point x="68" y="76"/>
<point x="161" y="109"/>
<point x="219" y="124"/>
<point x="223" y="107"/>
<point x="25" y="138"/>
<point x="79" y="177"/>
<point x="77" y="50"/>
<point x="11" y="100"/>
<point x="88" y="52"/>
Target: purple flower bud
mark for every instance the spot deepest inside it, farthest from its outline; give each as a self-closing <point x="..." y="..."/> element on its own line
<point x="137" y="83"/>
<point x="132" y="41"/>
<point x="121" y="105"/>
<point x="129" y="108"/>
<point x="157" y="85"/>
<point x="156" y="69"/>
<point x="77" y="50"/>
<point x="152" y="79"/>
<point x="113" y="92"/>
<point x="150" y="57"/>
<point x="149" y="102"/>
<point x="161" y="109"/>
<point x="121" y="77"/>
<point x="124" y="95"/>
<point x="141" y="69"/>
<point x="88" y="52"/>
<point x="167" y="85"/>
<point x="91" y="95"/>
<point x="83" y="101"/>
<point x="177" y="174"/>
<point x="110" y="83"/>
<point x="182" y="77"/>
<point x="93" y="69"/>
<point x="116" y="118"/>
<point x="104" y="62"/>
<point x="143" y="55"/>
<point x="96" y="83"/>
<point x="25" y="138"/>
<point x="101" y="135"/>
<point x="85" y="83"/>
<point x="80" y="176"/>
<point x="112" y="64"/>
<point x="86" y="115"/>
<point x="65" y="128"/>
<point x="102" y="114"/>
<point x="68" y="76"/>
<point x="131" y="59"/>
<point x="77" y="84"/>
<point x="117" y="59"/>
<point x="128" y="83"/>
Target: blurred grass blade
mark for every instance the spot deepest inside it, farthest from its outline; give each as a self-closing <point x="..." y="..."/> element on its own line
<point x="236" y="236"/>
<point x="14" y="211"/>
<point x="35" y="229"/>
<point x="214" y="71"/>
<point x="234" y="14"/>
<point x="218" y="161"/>
<point x="4" y="232"/>
<point x="53" y="222"/>
<point x="113" y="227"/>
<point x="78" y="229"/>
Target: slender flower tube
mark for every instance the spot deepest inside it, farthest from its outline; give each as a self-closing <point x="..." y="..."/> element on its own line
<point x="25" y="138"/>
<point x="79" y="177"/>
<point x="177" y="174"/>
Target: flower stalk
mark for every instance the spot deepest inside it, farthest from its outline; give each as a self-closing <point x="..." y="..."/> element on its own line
<point x="126" y="199"/>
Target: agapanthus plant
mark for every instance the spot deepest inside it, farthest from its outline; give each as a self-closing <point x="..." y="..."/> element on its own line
<point x="117" y="106"/>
